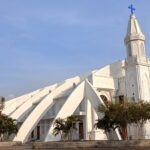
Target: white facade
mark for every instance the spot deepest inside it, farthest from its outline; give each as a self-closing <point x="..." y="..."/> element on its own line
<point x="35" y="112"/>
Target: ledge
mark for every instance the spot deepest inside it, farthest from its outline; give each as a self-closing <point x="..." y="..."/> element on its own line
<point x="91" y="144"/>
<point x="3" y="144"/>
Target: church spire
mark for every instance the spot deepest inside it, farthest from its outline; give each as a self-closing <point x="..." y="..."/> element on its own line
<point x="135" y="39"/>
<point x="133" y="31"/>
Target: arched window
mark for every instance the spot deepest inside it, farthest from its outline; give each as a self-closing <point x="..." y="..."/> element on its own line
<point x="104" y="98"/>
<point x="129" y="50"/>
<point x="142" y="50"/>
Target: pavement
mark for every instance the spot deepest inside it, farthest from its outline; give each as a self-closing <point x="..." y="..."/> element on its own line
<point x="29" y="147"/>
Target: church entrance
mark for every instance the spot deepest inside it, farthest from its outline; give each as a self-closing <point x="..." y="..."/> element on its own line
<point x="81" y="131"/>
<point x="38" y="132"/>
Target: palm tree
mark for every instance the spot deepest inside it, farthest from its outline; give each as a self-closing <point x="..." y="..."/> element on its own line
<point x="60" y="127"/>
<point x="65" y="127"/>
<point x="71" y="125"/>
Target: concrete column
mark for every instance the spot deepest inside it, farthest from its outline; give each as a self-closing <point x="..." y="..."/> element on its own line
<point x="88" y="120"/>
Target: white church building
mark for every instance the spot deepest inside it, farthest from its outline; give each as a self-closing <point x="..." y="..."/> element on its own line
<point x="36" y="112"/>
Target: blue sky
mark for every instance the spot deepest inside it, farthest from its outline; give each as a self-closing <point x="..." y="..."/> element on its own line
<point x="46" y="41"/>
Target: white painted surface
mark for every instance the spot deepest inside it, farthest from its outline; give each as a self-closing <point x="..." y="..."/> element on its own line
<point x="37" y="114"/>
<point x="67" y="109"/>
<point x="23" y="109"/>
<point x="17" y="102"/>
<point x="129" y="77"/>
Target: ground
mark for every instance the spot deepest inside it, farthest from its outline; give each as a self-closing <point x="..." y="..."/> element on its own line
<point x="29" y="148"/>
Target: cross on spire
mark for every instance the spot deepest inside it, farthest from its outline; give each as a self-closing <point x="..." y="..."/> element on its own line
<point x="132" y="9"/>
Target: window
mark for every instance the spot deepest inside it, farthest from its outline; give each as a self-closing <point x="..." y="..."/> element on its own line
<point x="104" y="98"/>
<point x="142" y="49"/>
<point x="121" y="99"/>
<point x="32" y="134"/>
<point x="129" y="50"/>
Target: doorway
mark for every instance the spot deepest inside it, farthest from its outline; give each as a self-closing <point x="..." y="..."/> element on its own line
<point x="38" y="132"/>
<point x="81" y="131"/>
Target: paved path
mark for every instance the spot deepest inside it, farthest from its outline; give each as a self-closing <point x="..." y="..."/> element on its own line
<point x="127" y="148"/>
<point x="29" y="147"/>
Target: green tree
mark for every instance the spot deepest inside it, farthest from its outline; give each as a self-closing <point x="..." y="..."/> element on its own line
<point x="70" y="125"/>
<point x="117" y="115"/>
<point x="59" y="127"/>
<point x="65" y="127"/>
<point x="7" y="125"/>
<point x="2" y="101"/>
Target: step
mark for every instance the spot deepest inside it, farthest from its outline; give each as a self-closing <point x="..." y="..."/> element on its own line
<point x="19" y="147"/>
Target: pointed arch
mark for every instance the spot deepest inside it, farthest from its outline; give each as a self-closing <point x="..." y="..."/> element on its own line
<point x="11" y="106"/>
<point x="95" y="101"/>
<point x="68" y="108"/>
<point x="41" y="109"/>
<point x="28" y="105"/>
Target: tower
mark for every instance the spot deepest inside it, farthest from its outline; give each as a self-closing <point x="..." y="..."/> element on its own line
<point x="137" y="68"/>
<point x="137" y="63"/>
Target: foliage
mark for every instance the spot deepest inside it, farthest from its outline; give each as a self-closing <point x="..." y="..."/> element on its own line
<point x="59" y="127"/>
<point x="65" y="127"/>
<point x="7" y="125"/>
<point x="2" y="100"/>
<point x="117" y="115"/>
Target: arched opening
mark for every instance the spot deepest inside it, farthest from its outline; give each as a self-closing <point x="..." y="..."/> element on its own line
<point x="142" y="50"/>
<point x="104" y="98"/>
<point x="129" y="50"/>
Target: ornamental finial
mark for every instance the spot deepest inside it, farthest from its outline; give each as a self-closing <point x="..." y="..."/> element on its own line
<point x="132" y="9"/>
